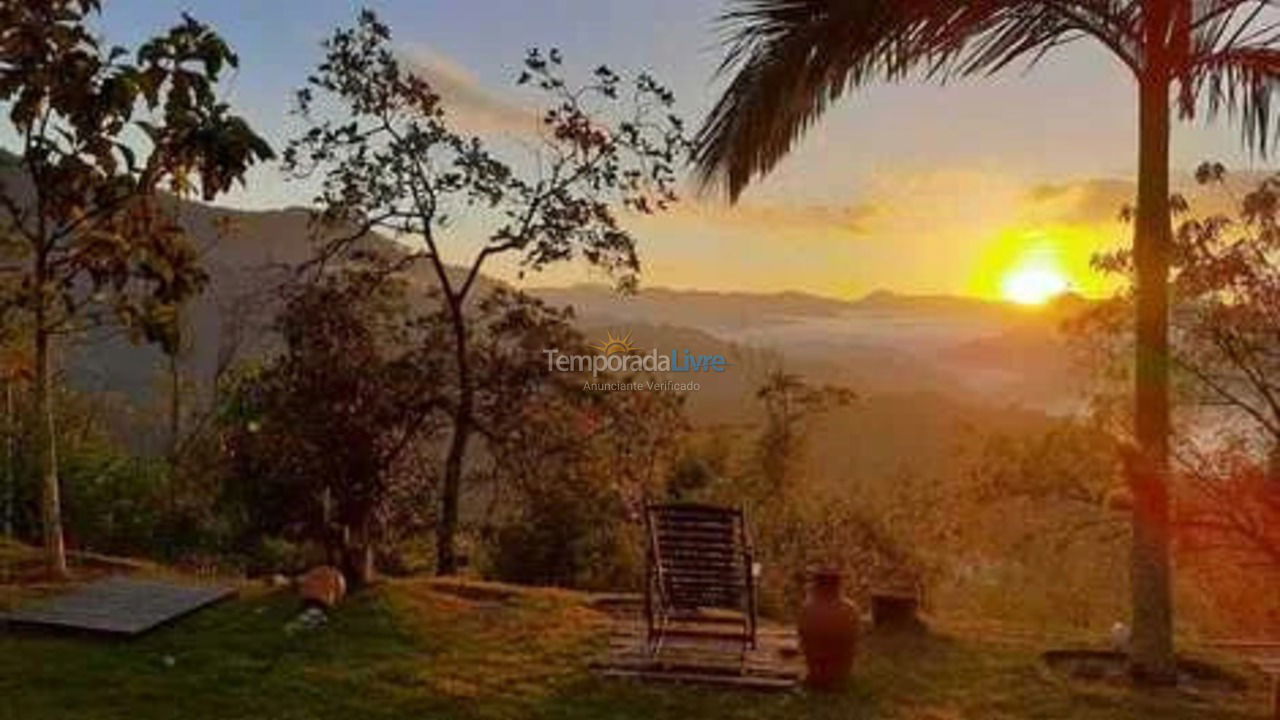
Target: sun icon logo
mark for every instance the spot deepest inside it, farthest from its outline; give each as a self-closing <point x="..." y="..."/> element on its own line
<point x="614" y="345"/>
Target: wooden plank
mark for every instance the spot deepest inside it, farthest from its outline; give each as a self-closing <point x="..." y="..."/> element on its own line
<point x="637" y="629"/>
<point x="702" y="578"/>
<point x="704" y="633"/>
<point x="696" y="532"/>
<point x="695" y="597"/>
<point x="1247" y="644"/>
<point x="732" y="681"/>
<point x="702" y="530"/>
<point x="696" y="524"/>
<point x="705" y="664"/>
<point x="697" y="528"/>
<point x="673" y="583"/>
<point x="699" y="574"/>
<point x="675" y="562"/>
<point x="727" y="550"/>
<point x="1275" y="698"/>
<point x="694" y="509"/>
<point x="718" y="550"/>
<point x="681" y="601"/>
<point x="1267" y="666"/>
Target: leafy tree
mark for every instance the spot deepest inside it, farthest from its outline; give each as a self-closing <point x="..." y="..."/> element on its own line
<point x="799" y="526"/>
<point x="88" y="233"/>
<point x="789" y="403"/>
<point x="572" y="469"/>
<point x="705" y="459"/>
<point x="1037" y="506"/>
<point x="321" y="434"/>
<point x="791" y="59"/>
<point x="1226" y="357"/>
<point x="388" y="159"/>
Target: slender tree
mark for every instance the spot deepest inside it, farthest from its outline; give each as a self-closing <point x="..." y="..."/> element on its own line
<point x="790" y="59"/>
<point x="101" y="139"/>
<point x="391" y="160"/>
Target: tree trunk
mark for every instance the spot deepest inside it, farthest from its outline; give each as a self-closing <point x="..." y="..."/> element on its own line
<point x="51" y="506"/>
<point x="446" y="531"/>
<point x="10" y="477"/>
<point x="1152" y="658"/>
<point x="175" y="432"/>
<point x="358" y="558"/>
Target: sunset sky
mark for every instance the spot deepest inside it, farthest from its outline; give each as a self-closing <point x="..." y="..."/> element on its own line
<point x="977" y="188"/>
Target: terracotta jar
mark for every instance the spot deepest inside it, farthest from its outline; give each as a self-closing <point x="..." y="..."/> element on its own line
<point x="322" y="586"/>
<point x="828" y="632"/>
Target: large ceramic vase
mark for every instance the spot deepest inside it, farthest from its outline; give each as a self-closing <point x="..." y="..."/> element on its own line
<point x="828" y="632"/>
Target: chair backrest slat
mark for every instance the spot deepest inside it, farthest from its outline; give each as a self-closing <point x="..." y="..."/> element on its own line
<point x="699" y="551"/>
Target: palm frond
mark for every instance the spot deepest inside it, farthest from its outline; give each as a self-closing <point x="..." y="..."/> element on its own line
<point x="791" y="59"/>
<point x="1239" y="82"/>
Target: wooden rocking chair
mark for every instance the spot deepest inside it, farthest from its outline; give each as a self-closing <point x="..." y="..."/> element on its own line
<point x="699" y="559"/>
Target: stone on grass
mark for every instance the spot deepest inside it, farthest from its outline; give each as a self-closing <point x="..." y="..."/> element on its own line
<point x="322" y="587"/>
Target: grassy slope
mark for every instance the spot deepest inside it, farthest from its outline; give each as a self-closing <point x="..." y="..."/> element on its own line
<point x="405" y="650"/>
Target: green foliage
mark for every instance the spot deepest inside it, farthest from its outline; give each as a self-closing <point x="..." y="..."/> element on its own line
<point x="320" y="436"/>
<point x="114" y="503"/>
<point x="83" y="221"/>
<point x="570" y="468"/>
<point x="569" y="532"/>
<point x="96" y="220"/>
<point x="389" y="158"/>
<point x="116" y="500"/>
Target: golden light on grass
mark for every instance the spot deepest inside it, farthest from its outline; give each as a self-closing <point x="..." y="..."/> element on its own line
<point x="1034" y="285"/>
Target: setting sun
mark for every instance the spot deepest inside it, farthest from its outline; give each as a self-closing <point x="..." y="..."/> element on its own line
<point x="1033" y="285"/>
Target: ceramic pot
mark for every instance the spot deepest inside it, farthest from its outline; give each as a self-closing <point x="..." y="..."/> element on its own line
<point x="828" y="630"/>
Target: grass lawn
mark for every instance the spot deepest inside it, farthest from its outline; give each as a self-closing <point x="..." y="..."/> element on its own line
<point x="404" y="650"/>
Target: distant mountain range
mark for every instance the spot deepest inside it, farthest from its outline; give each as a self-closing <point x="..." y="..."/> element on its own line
<point x="927" y="369"/>
<point x="884" y="342"/>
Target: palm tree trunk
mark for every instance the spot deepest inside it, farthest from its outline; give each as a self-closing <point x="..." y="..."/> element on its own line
<point x="1152" y="658"/>
<point x="51" y="507"/>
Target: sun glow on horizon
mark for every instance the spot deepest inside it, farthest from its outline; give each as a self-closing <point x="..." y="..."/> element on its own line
<point x="1034" y="285"/>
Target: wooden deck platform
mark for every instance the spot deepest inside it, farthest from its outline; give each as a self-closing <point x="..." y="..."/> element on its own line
<point x="117" y="606"/>
<point x="699" y="654"/>
<point x="1264" y="655"/>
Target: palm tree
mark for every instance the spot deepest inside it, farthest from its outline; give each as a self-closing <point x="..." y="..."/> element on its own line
<point x="790" y="59"/>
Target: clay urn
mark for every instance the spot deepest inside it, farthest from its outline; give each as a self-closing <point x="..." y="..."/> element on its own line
<point x="828" y="630"/>
<point x="322" y="586"/>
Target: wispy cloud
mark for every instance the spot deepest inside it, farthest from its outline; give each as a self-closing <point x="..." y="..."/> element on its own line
<point x="470" y="105"/>
<point x="1088" y="201"/>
